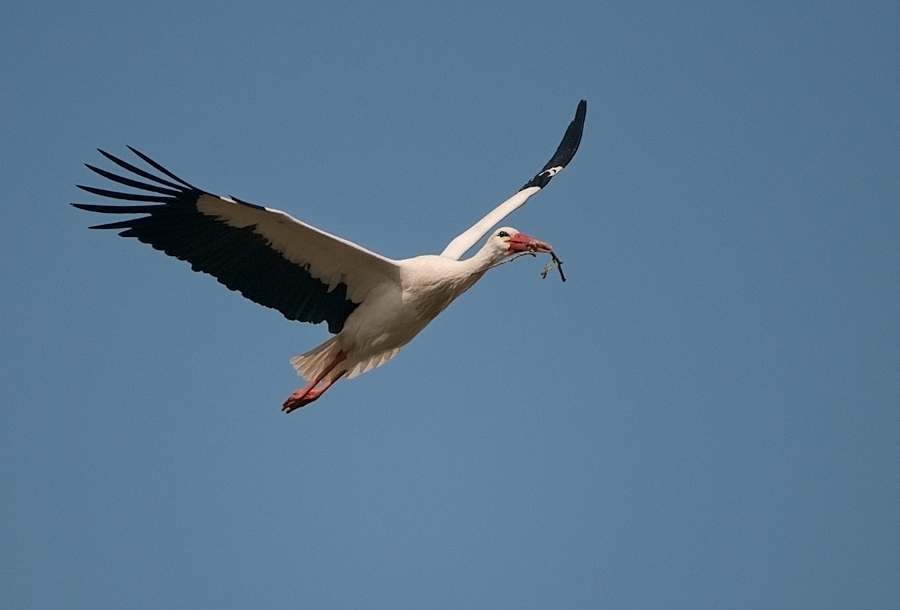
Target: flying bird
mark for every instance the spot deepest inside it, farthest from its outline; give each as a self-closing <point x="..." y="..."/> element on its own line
<point x="372" y="304"/>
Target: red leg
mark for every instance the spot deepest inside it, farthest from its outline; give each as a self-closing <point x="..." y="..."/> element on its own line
<point x="308" y="394"/>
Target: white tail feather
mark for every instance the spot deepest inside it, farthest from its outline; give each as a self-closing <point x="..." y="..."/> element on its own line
<point x="374" y="362"/>
<point x="313" y="361"/>
<point x="309" y="364"/>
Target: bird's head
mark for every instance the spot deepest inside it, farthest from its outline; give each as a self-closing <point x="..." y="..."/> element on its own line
<point x="509" y="241"/>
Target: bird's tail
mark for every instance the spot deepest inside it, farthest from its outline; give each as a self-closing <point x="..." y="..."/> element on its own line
<point x="313" y="361"/>
<point x="373" y="362"/>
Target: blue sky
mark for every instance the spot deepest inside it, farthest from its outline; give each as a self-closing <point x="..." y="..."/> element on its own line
<point x="706" y="415"/>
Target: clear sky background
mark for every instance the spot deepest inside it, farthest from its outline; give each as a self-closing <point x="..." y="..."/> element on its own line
<point x="706" y="415"/>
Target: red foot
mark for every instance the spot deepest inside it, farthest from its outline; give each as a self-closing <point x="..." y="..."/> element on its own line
<point x="306" y="395"/>
<point x="300" y="398"/>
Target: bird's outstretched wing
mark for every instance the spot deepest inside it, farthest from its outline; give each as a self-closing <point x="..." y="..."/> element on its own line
<point x="266" y="255"/>
<point x="567" y="148"/>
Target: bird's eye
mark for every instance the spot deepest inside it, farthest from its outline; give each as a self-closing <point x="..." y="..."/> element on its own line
<point x="502" y="234"/>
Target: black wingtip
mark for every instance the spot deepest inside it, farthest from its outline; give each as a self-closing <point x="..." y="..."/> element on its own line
<point x="571" y="140"/>
<point x="581" y="111"/>
<point x="160" y="168"/>
<point x="566" y="150"/>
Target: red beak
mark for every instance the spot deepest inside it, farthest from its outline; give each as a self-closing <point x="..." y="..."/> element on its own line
<point x="523" y="243"/>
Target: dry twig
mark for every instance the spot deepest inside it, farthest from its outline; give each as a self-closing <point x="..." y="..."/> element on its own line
<point x="554" y="260"/>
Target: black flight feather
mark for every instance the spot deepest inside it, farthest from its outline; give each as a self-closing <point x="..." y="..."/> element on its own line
<point x="564" y="153"/>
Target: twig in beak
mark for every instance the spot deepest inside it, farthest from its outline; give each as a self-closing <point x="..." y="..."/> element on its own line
<point x="554" y="260"/>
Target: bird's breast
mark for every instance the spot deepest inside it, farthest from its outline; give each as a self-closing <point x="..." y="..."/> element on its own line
<point x="429" y="288"/>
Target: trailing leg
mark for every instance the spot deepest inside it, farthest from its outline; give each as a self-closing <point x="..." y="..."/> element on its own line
<point x="308" y="394"/>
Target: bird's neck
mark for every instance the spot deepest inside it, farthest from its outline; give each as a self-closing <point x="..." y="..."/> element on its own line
<point x="479" y="263"/>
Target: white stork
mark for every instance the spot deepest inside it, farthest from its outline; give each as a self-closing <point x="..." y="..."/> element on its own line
<point x="374" y="305"/>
